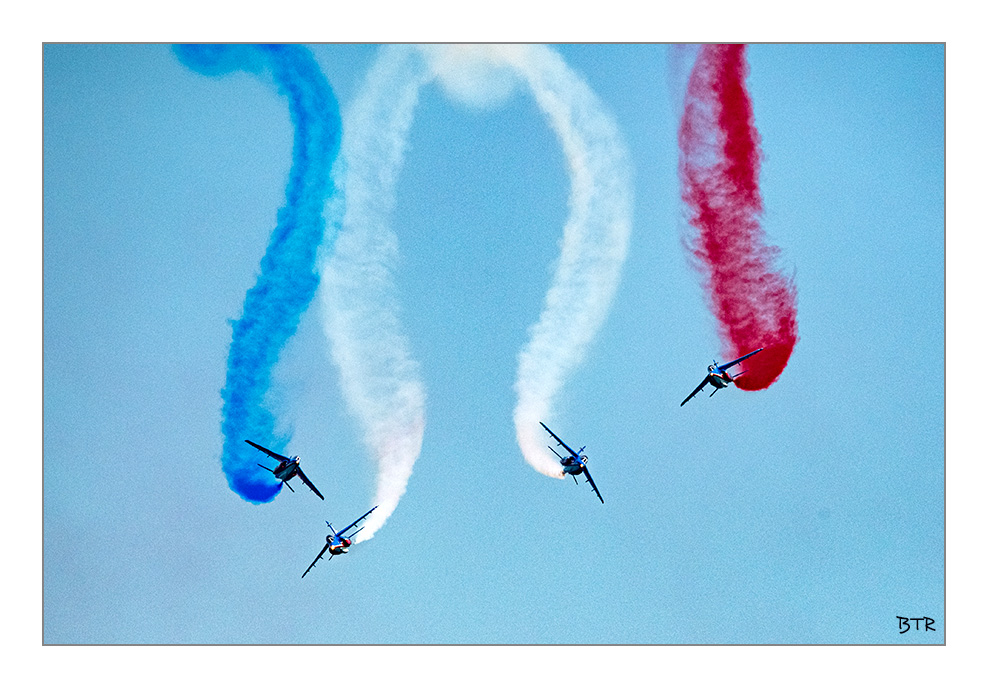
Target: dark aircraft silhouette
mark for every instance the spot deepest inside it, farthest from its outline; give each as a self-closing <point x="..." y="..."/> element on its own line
<point x="286" y="469"/>
<point x="575" y="464"/>
<point x="718" y="376"/>
<point x="338" y="542"/>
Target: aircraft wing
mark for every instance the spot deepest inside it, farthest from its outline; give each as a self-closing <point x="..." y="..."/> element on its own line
<point x="268" y="452"/>
<point x="739" y="359"/>
<point x="305" y="480"/>
<point x="341" y="532"/>
<point x="325" y="547"/>
<point x="696" y="390"/>
<point x="591" y="481"/>
<point x="574" y="454"/>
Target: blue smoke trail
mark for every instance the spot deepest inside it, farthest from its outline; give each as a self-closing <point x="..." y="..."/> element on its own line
<point x="288" y="281"/>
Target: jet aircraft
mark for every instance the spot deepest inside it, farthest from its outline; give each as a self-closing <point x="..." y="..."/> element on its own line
<point x="286" y="469"/>
<point x="718" y="376"/>
<point x="338" y="542"/>
<point x="575" y="464"/>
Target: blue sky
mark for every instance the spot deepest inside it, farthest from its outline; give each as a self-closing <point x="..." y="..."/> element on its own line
<point x="755" y="518"/>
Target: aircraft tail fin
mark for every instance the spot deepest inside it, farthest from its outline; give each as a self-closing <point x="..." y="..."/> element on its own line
<point x="265" y="468"/>
<point x="288" y="486"/>
<point x="555" y="452"/>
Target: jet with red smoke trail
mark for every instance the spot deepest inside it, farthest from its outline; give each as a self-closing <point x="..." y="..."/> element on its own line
<point x="718" y="376"/>
<point x="720" y="157"/>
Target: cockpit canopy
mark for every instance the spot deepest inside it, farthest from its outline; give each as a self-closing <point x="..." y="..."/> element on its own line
<point x="711" y="367"/>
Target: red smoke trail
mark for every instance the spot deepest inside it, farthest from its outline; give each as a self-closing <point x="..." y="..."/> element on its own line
<point x="719" y="173"/>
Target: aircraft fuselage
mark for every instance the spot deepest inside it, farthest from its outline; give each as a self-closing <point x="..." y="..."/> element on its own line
<point x="338" y="549"/>
<point x="338" y="546"/>
<point x="720" y="380"/>
<point x="286" y="470"/>
<point x="573" y="468"/>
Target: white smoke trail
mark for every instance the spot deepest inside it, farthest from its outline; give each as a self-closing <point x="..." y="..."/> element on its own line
<point x="380" y="381"/>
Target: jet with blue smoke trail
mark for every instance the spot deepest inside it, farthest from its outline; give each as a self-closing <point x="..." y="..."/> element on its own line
<point x="381" y="381"/>
<point x="287" y="282"/>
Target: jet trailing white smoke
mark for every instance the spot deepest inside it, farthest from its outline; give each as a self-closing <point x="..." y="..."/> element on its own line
<point x="595" y="241"/>
<point x="380" y="380"/>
